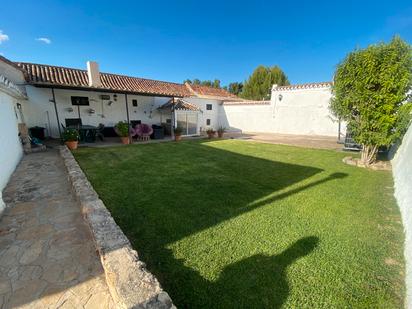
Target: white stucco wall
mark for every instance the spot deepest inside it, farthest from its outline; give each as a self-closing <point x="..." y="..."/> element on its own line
<point x="41" y="111"/>
<point x="12" y="73"/>
<point x="11" y="150"/>
<point x="247" y="118"/>
<point x="304" y="111"/>
<point x="300" y="111"/>
<point x="402" y="176"/>
<point x="213" y="114"/>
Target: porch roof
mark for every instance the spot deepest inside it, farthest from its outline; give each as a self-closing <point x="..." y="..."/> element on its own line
<point x="179" y="104"/>
<point x="61" y="77"/>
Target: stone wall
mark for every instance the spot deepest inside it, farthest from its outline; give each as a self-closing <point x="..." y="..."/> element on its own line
<point x="402" y="176"/>
<point x="130" y="283"/>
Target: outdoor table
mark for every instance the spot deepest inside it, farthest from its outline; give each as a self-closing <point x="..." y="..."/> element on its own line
<point x="87" y="133"/>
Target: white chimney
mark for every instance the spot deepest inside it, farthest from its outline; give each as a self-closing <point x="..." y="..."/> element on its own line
<point x="94" y="74"/>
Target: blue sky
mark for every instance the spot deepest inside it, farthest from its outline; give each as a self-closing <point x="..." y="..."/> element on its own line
<point x="175" y="40"/>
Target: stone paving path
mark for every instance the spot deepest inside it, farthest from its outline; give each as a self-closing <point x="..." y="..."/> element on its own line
<point x="307" y="141"/>
<point x="47" y="257"/>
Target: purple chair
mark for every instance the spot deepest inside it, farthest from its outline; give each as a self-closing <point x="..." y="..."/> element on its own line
<point x="143" y="131"/>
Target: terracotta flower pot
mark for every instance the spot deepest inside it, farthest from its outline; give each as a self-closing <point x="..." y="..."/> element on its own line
<point x="210" y="135"/>
<point x="125" y="140"/>
<point x="220" y="134"/>
<point x="72" y="144"/>
<point x="178" y="138"/>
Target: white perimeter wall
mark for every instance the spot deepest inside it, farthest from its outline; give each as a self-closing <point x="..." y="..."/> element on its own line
<point x="10" y="150"/>
<point x="402" y="176"/>
<point x="41" y="111"/>
<point x="300" y="111"/>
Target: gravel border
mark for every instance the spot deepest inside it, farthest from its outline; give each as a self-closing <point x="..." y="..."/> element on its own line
<point x="130" y="283"/>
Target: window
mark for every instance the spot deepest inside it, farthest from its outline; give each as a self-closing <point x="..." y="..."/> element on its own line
<point x="209" y="107"/>
<point x="134" y="103"/>
<point x="84" y="101"/>
<point x="208" y="122"/>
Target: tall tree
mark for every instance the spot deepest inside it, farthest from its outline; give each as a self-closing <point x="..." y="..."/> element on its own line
<point x="215" y="83"/>
<point x="235" y="88"/>
<point x="370" y="94"/>
<point x="259" y="84"/>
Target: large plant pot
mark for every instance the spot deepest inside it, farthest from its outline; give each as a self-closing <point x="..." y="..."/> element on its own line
<point x="72" y="144"/>
<point x="178" y="138"/>
<point x="210" y="135"/>
<point x="125" y="140"/>
<point x="220" y="134"/>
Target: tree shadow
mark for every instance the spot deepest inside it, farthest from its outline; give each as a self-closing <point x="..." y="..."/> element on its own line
<point x="260" y="281"/>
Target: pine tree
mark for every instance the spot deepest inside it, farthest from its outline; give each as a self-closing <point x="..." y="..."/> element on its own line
<point x="259" y="84"/>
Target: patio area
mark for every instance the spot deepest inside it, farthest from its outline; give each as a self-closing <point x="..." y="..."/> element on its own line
<point x="47" y="255"/>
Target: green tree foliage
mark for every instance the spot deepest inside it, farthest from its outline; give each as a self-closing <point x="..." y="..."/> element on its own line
<point x="215" y="83"/>
<point x="370" y="94"/>
<point x="235" y="88"/>
<point x="259" y="84"/>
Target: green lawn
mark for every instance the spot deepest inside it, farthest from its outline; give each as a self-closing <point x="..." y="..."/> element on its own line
<point x="234" y="224"/>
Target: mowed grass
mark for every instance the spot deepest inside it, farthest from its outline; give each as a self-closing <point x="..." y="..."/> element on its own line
<point x="234" y="224"/>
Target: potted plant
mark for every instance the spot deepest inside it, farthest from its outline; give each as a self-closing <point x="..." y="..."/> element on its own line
<point x="178" y="133"/>
<point x="220" y="131"/>
<point x="210" y="132"/>
<point x="71" y="138"/>
<point x="122" y="129"/>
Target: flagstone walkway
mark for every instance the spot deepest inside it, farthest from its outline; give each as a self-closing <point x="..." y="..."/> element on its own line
<point x="47" y="256"/>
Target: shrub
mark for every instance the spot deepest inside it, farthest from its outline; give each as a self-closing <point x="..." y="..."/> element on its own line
<point x="178" y="131"/>
<point x="370" y="94"/>
<point x="70" y="135"/>
<point x="122" y="128"/>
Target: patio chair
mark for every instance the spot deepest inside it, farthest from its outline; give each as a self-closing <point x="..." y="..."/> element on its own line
<point x="143" y="131"/>
<point x="99" y="132"/>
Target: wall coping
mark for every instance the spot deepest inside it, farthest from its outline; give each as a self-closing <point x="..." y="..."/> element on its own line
<point x="130" y="284"/>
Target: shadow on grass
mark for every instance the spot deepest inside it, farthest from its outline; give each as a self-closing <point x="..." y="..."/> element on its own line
<point x="260" y="281"/>
<point x="160" y="194"/>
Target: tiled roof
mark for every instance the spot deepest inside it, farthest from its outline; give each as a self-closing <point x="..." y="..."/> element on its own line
<point x="304" y="86"/>
<point x="39" y="74"/>
<point x="179" y="104"/>
<point x="246" y="102"/>
<point x="210" y="92"/>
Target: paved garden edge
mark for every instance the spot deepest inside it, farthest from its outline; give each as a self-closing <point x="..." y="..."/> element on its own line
<point x="130" y="283"/>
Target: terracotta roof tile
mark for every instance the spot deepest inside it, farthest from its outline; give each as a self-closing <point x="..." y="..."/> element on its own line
<point x="206" y="91"/>
<point x="305" y="86"/>
<point x="180" y="104"/>
<point x="40" y="74"/>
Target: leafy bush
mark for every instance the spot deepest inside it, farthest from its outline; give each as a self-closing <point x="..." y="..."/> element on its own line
<point x="370" y="89"/>
<point x="210" y="131"/>
<point x="70" y="135"/>
<point x="221" y="129"/>
<point x="122" y="128"/>
<point x="178" y="131"/>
